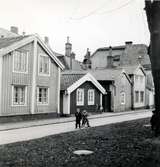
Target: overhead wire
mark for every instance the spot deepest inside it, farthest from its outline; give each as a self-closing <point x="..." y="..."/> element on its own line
<point x="105" y="12"/>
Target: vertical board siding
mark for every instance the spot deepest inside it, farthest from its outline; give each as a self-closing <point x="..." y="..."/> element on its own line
<point x="90" y="108"/>
<point x="10" y="78"/>
<point x="48" y="81"/>
<point x="126" y="87"/>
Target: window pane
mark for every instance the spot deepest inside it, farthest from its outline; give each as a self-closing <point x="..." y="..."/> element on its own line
<point x="19" y="95"/>
<point x="42" y="95"/>
<point x="44" y="65"/>
<point x="20" y="61"/>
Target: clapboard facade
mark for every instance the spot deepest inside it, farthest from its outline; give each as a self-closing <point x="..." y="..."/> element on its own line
<point x="29" y="77"/>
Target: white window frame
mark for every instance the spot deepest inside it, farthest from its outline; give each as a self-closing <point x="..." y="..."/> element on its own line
<point x="123" y="95"/>
<point x="40" y="103"/>
<point x="80" y="103"/>
<point x="25" y="103"/>
<point x="40" y="73"/>
<point x="27" y="55"/>
<point x="91" y="100"/>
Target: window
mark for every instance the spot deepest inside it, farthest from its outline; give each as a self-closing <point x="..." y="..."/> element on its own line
<point x="80" y="97"/>
<point x="123" y="98"/>
<point x="20" y="61"/>
<point x="19" y="95"/>
<point x="44" y="65"/>
<point x="42" y="95"/>
<point x="141" y="96"/>
<point x="91" y="97"/>
<point x="136" y="96"/>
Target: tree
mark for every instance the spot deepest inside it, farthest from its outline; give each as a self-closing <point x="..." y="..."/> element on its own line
<point x="153" y="17"/>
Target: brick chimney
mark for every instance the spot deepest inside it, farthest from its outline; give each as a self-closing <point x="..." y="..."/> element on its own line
<point x="68" y="48"/>
<point x="46" y="40"/>
<point x="14" y="29"/>
<point x="73" y="55"/>
<point x="110" y="58"/>
<point x="128" y="43"/>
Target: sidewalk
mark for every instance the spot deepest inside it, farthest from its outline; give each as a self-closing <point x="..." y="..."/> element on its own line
<point x="34" y="123"/>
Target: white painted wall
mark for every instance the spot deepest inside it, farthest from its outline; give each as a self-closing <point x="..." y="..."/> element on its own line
<point x="139" y="85"/>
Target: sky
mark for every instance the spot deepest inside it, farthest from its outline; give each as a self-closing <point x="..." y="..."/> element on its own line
<point x="89" y="23"/>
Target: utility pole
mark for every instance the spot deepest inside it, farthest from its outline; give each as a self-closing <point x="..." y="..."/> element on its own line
<point x="153" y="17"/>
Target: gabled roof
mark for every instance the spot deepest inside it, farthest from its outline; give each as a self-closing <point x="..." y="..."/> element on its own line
<point x="106" y="74"/>
<point x="71" y="81"/>
<point x="130" y="70"/>
<point x="5" y="33"/>
<point x="129" y="55"/>
<point x="9" y="44"/>
<point x="68" y="79"/>
<point x="4" y="42"/>
<point x="101" y="74"/>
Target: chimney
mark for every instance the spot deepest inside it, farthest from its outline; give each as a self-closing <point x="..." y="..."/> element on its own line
<point x="46" y="40"/>
<point x="14" y="29"/>
<point x="23" y="33"/>
<point x="73" y="55"/>
<point x="68" y="48"/>
<point x="128" y="43"/>
<point x="110" y="58"/>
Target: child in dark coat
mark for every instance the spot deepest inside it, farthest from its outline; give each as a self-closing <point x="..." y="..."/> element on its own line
<point x="78" y="116"/>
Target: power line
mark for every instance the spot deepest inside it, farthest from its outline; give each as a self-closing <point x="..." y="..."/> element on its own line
<point x="90" y="13"/>
<point x="105" y="12"/>
<point x="120" y="7"/>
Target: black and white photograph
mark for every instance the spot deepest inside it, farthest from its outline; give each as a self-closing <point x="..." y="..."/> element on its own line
<point x="80" y="83"/>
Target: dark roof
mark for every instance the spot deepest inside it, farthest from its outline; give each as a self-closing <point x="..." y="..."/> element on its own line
<point x="106" y="74"/>
<point x="129" y="55"/>
<point x="4" y="42"/>
<point x="62" y="60"/>
<point x="99" y="74"/>
<point x="68" y="79"/>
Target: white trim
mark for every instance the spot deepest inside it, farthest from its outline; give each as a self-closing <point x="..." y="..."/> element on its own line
<point x="87" y="77"/>
<point x="58" y="90"/>
<point x="91" y="102"/>
<point x="69" y="103"/>
<point x="33" y="94"/>
<point x="16" y="45"/>
<point x="27" y="40"/>
<point x="101" y="99"/>
<point x="49" y="51"/>
<point x="26" y="95"/>
<point x="80" y="103"/>
<point x="26" y="72"/>
<point x="49" y="66"/>
<point x="1" y="64"/>
<point x="48" y="92"/>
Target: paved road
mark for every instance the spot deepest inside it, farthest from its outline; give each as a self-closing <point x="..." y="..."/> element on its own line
<point x="22" y="134"/>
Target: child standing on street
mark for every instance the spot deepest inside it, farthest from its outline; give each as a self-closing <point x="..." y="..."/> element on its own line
<point x="78" y="116"/>
<point x="85" y="118"/>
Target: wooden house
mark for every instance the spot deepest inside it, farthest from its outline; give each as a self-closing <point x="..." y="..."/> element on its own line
<point x="117" y="84"/>
<point x="138" y="79"/>
<point x="29" y="77"/>
<point x="80" y="90"/>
